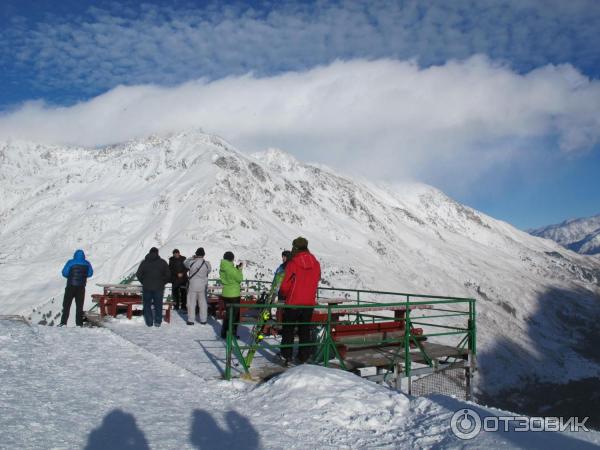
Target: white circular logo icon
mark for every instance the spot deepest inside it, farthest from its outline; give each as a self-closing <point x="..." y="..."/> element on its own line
<point x="465" y="424"/>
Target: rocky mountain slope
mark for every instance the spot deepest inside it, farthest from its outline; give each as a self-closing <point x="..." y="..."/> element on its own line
<point x="538" y="304"/>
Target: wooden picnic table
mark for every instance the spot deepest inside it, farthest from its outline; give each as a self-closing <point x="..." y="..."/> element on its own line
<point x="126" y="296"/>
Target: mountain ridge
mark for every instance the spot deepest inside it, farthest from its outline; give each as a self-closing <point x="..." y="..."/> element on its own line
<point x="190" y="189"/>
<point x="581" y="235"/>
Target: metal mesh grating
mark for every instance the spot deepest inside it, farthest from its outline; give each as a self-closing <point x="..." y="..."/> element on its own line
<point x="446" y="382"/>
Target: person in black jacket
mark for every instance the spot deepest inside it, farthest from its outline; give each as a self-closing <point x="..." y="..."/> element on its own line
<point x="76" y="271"/>
<point x="153" y="273"/>
<point x="178" y="279"/>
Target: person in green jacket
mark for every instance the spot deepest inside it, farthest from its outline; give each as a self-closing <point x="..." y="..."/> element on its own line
<point x="231" y="279"/>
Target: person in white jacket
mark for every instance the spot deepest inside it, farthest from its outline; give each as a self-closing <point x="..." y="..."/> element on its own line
<point x="198" y="271"/>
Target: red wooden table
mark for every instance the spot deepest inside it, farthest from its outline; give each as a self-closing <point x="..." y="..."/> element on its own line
<point x="124" y="296"/>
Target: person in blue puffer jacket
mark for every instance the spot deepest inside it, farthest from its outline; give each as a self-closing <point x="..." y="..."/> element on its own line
<point x="76" y="271"/>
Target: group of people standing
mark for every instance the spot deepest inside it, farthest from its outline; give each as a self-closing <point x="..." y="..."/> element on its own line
<point x="297" y="277"/>
<point x="189" y="290"/>
<point x="189" y="279"/>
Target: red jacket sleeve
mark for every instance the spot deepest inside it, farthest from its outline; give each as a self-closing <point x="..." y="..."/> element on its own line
<point x="289" y="279"/>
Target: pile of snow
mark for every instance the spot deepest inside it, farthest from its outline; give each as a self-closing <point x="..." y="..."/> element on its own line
<point x="332" y="398"/>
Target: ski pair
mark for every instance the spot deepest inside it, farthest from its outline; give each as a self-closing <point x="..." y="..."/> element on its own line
<point x="264" y="315"/>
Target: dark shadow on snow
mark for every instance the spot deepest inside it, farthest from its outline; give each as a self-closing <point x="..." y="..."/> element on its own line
<point x="206" y="434"/>
<point x="566" y="321"/>
<point x="217" y="361"/>
<point x="118" y="431"/>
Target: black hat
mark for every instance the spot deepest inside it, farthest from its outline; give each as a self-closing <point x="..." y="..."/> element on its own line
<point x="287" y="254"/>
<point x="200" y="252"/>
<point x="176" y="251"/>
<point x="153" y="250"/>
<point x="228" y="256"/>
<point x="300" y="244"/>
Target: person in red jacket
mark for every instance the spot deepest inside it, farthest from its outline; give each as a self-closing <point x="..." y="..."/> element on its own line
<point x="299" y="287"/>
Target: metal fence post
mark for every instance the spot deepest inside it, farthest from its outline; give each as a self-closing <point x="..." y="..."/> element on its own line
<point x="229" y="343"/>
<point x="407" y="361"/>
<point x="327" y="338"/>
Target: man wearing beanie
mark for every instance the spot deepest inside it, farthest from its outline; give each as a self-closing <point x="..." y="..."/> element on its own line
<point x="153" y="273"/>
<point x="299" y="287"/>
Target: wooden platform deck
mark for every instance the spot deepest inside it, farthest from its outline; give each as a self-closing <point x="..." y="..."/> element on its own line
<point x="385" y="356"/>
<point x="372" y="357"/>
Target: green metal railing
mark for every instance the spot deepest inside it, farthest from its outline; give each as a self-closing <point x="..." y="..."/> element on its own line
<point x="417" y="309"/>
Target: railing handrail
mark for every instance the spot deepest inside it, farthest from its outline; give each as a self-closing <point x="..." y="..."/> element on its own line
<point x="354" y="305"/>
<point x="363" y="291"/>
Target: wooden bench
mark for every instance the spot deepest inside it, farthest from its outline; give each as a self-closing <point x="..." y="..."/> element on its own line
<point x="109" y="304"/>
<point x="391" y="355"/>
<point x="352" y="337"/>
<point x="360" y="336"/>
<point x="167" y="308"/>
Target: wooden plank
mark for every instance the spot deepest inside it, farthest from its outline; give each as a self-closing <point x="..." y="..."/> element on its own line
<point x="371" y="357"/>
<point x="386" y="356"/>
<point x="435" y="351"/>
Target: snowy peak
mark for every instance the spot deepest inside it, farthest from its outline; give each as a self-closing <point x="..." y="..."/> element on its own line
<point x="277" y="160"/>
<point x="580" y="235"/>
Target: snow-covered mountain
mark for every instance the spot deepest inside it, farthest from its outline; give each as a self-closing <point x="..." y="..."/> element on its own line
<point x="538" y="304"/>
<point x="580" y="235"/>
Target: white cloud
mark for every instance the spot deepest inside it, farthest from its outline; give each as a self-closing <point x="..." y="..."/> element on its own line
<point x="381" y="118"/>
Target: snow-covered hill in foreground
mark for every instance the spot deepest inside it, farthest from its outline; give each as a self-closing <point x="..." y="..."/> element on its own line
<point x="538" y="304"/>
<point x="580" y="235"/>
<point x="90" y="388"/>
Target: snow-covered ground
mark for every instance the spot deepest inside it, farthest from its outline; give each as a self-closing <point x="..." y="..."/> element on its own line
<point x="134" y="387"/>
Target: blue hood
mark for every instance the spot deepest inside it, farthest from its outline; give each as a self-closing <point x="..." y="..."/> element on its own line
<point x="78" y="260"/>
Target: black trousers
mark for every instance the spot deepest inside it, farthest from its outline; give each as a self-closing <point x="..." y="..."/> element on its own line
<point x="77" y="293"/>
<point x="236" y="316"/>
<point x="304" y="333"/>
<point x="179" y="296"/>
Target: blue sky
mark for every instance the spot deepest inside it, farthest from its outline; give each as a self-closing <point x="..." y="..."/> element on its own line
<point x="497" y="103"/>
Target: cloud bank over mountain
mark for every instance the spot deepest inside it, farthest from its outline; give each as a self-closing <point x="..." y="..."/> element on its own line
<point x="384" y="118"/>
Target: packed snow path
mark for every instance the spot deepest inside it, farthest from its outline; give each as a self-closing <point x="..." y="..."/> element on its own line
<point x="66" y="388"/>
<point x="196" y="348"/>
